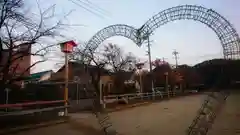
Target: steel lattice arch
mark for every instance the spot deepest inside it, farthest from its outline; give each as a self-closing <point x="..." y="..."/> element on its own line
<point x="225" y="31"/>
<point x="113" y="30"/>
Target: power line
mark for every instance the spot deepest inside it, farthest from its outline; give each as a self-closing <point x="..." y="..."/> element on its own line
<point x="95" y="7"/>
<point x="98" y="8"/>
<point x="96" y="14"/>
<point x="163" y="59"/>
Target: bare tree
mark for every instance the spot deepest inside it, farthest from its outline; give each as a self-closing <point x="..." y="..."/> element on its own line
<point x="121" y="64"/>
<point x="111" y="59"/>
<point x="95" y="64"/>
<point x="98" y="63"/>
<point x="117" y="60"/>
<point x="20" y="34"/>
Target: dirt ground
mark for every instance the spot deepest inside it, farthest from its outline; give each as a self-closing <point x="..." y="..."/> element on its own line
<point x="228" y="121"/>
<point x="170" y="117"/>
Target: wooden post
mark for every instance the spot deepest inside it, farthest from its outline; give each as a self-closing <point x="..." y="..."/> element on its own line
<point x="100" y="91"/>
<point x="166" y="87"/>
<point x="181" y="87"/>
<point x="141" y="85"/>
<point x="101" y="94"/>
<point x="66" y="47"/>
<point x="7" y="96"/>
<point x="77" y="94"/>
<point x="174" y="90"/>
<point x="66" y="85"/>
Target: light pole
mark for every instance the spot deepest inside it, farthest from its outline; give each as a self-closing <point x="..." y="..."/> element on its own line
<point x="66" y="48"/>
<point x="144" y="37"/>
<point x="150" y="65"/>
<point x="175" y="53"/>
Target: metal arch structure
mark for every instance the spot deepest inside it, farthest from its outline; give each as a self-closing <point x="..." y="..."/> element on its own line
<point x="107" y="32"/>
<point x="110" y="31"/>
<point x="222" y="27"/>
<point x="225" y="31"/>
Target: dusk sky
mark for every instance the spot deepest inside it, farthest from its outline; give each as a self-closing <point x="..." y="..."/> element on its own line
<point x="194" y="41"/>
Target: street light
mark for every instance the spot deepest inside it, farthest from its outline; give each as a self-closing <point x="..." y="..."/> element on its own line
<point x="66" y="48"/>
<point x="146" y="37"/>
<point x="150" y="64"/>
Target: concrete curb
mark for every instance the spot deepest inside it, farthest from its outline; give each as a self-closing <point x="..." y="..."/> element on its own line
<point x="33" y="126"/>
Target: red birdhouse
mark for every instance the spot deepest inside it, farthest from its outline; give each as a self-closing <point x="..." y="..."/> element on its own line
<point x="67" y="47"/>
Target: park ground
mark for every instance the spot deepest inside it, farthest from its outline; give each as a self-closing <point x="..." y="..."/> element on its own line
<point x="170" y="117"/>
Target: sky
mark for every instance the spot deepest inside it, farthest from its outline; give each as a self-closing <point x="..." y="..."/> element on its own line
<point x="194" y="41"/>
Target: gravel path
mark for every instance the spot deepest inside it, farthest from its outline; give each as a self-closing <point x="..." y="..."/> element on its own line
<point x="228" y="121"/>
<point x="167" y="118"/>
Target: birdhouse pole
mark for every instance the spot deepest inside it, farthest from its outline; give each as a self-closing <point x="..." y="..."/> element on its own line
<point x="66" y="48"/>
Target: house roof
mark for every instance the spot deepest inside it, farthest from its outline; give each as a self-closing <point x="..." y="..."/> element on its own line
<point x="126" y="75"/>
<point x="69" y="63"/>
<point x="162" y="68"/>
<point x="38" y="74"/>
<point x="60" y="74"/>
<point x="78" y="64"/>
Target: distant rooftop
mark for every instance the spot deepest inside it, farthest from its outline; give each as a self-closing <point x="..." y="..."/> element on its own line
<point x="38" y="74"/>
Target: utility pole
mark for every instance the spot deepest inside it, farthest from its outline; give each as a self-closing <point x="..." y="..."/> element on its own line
<point x="150" y="64"/>
<point x="163" y="60"/>
<point x="175" y="54"/>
